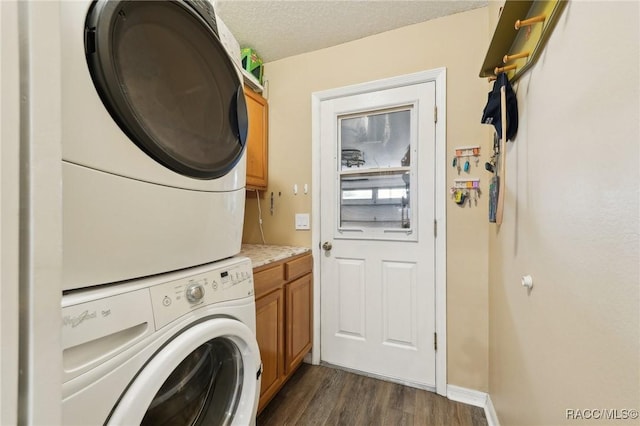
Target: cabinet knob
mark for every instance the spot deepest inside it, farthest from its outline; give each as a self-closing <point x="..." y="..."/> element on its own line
<point x="327" y="246"/>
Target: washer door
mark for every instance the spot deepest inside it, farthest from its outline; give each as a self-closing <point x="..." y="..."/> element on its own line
<point x="165" y="78"/>
<point x="207" y="375"/>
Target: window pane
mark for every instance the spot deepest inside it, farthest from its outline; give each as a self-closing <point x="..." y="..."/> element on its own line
<point x="388" y="193"/>
<point x="375" y="141"/>
<point x="357" y="194"/>
<point x="388" y="205"/>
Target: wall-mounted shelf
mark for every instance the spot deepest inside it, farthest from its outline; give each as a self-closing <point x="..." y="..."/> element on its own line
<point x="251" y="81"/>
<point x="521" y="46"/>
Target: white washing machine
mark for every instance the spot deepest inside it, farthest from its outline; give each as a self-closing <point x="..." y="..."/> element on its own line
<point x="154" y="125"/>
<point x="177" y="348"/>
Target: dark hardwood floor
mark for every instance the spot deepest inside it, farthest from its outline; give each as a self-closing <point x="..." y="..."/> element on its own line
<point x="319" y="395"/>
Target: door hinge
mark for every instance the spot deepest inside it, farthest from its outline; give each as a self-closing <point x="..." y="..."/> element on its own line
<point x="435" y="113"/>
<point x="435" y="341"/>
<point x="435" y="228"/>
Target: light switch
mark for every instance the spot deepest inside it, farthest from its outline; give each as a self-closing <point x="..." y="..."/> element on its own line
<point x="302" y="221"/>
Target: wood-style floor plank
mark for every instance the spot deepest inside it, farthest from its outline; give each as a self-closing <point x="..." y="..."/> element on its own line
<point x="326" y="392"/>
<point x="320" y="395"/>
<point x="294" y="397"/>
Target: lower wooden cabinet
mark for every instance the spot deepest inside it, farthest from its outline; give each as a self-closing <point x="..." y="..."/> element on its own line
<point x="270" y="336"/>
<point x="284" y="320"/>
<point x="298" y="300"/>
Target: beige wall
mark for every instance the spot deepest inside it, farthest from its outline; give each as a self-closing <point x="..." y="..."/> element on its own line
<point x="458" y="43"/>
<point x="571" y="221"/>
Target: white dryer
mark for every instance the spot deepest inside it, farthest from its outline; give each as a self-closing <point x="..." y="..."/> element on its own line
<point x="177" y="348"/>
<point x="154" y="125"/>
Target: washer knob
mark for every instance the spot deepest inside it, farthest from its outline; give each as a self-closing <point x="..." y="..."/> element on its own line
<point x="195" y="293"/>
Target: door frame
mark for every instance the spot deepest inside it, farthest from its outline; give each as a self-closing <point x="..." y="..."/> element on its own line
<point x="9" y="211"/>
<point x="439" y="76"/>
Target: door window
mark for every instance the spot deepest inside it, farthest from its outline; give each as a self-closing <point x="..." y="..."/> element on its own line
<point x="375" y="173"/>
<point x="167" y="81"/>
<point x="204" y="389"/>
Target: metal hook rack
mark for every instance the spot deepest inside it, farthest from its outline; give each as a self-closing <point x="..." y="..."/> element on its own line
<point x="464" y="190"/>
<point x="521" y="34"/>
<point x="467" y="152"/>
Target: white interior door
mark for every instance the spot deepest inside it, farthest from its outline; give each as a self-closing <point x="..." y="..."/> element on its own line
<point x="377" y="204"/>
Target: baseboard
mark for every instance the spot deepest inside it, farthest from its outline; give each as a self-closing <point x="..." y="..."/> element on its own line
<point x="467" y="396"/>
<point x="490" y="413"/>
<point x="475" y="398"/>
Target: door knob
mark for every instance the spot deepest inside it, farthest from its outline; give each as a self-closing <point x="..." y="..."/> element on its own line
<point x="327" y="245"/>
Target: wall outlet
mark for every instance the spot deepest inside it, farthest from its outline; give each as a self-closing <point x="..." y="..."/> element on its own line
<point x="302" y="221"/>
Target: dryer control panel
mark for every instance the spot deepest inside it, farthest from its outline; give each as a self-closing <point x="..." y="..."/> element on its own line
<point x="173" y="299"/>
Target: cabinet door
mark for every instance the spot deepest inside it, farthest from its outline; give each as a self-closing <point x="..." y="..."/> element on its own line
<point x="299" y="298"/>
<point x="270" y="334"/>
<point x="257" y="154"/>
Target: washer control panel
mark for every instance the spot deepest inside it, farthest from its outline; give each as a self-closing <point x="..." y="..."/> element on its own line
<point x="232" y="280"/>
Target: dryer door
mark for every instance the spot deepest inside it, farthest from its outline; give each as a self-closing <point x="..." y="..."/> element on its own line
<point x="207" y="375"/>
<point x="165" y="78"/>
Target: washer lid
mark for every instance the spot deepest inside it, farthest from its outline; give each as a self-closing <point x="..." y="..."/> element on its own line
<point x="166" y="79"/>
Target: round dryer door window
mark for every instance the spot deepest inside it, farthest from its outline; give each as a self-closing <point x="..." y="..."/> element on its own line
<point x="168" y="82"/>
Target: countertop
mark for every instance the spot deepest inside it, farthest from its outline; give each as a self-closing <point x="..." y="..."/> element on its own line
<point x="261" y="254"/>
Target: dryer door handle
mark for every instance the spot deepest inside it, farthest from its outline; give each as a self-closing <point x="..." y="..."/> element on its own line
<point x="242" y="118"/>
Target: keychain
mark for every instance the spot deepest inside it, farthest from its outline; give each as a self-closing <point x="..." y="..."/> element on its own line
<point x="460" y="197"/>
<point x="465" y="191"/>
<point x="456" y="163"/>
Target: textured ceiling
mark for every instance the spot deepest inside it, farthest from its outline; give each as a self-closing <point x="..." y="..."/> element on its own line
<point x="277" y="29"/>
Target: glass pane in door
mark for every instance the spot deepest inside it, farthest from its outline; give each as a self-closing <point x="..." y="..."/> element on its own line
<point x="375" y="200"/>
<point x="375" y="141"/>
<point x="375" y="172"/>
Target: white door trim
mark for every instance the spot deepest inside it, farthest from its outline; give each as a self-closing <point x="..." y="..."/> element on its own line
<point x="9" y="211"/>
<point x="439" y="76"/>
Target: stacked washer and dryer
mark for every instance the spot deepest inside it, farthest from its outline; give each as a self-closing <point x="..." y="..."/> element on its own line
<point x="158" y="316"/>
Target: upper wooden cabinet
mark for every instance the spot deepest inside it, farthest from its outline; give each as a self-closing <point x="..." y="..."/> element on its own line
<point x="257" y="152"/>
